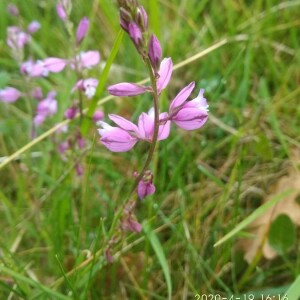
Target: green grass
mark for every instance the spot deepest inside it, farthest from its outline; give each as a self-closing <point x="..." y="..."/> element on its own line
<point x="55" y="226"/>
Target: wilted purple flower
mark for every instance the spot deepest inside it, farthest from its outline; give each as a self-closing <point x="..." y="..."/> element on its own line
<point x="61" y="12"/>
<point x="80" y="141"/>
<point x="146" y="187"/>
<point x="12" y="9"/>
<point x="154" y="52"/>
<point x="189" y="115"/>
<point x="71" y="112"/>
<point x="79" y="169"/>
<point x="86" y="60"/>
<point x="33" y="27"/>
<point x="165" y="72"/>
<point x="135" y="34"/>
<point x="127" y="89"/>
<point x="88" y="86"/>
<point x="82" y="30"/>
<point x="9" y="95"/>
<point x="129" y="221"/>
<point x="16" y="38"/>
<point x="63" y="147"/>
<point x="98" y="116"/>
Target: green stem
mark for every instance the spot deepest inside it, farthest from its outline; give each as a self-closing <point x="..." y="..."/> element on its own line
<point x="152" y="146"/>
<point x="156" y="126"/>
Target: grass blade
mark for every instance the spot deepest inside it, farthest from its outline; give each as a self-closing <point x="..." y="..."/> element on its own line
<point x="156" y="245"/>
<point x="102" y="81"/>
<point x="293" y="293"/>
<point x="253" y="216"/>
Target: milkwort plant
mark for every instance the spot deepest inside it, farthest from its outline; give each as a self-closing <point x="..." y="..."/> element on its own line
<point x="152" y="126"/>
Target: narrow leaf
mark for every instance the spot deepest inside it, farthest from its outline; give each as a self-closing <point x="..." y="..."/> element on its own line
<point x="156" y="245"/>
<point x="293" y="293"/>
<point x="258" y="212"/>
<point x="102" y="82"/>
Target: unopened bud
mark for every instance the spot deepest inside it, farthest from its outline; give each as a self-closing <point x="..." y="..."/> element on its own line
<point x="141" y="18"/>
<point x="82" y="30"/>
<point x="154" y="52"/>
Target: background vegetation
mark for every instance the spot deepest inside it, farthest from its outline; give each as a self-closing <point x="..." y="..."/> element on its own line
<point x="208" y="181"/>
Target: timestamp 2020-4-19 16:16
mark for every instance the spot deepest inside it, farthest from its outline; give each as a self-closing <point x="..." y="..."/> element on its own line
<point x="241" y="297"/>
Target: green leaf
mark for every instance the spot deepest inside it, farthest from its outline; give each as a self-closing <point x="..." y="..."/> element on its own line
<point x="156" y="245"/>
<point x="258" y="212"/>
<point x="293" y="293"/>
<point x="102" y="82"/>
<point x="282" y="234"/>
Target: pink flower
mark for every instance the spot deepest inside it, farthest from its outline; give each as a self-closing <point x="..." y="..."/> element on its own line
<point x="16" y="38"/>
<point x="34" y="69"/>
<point x="124" y="137"/>
<point x="98" y="116"/>
<point x="33" y="27"/>
<point x="45" y="108"/>
<point x="189" y="115"/>
<point x="116" y="139"/>
<point x="128" y="89"/>
<point x="9" y="95"/>
<point x="146" y="126"/>
<point x="82" y="30"/>
<point x="87" y="59"/>
<point x="54" y="64"/>
<point x="88" y="86"/>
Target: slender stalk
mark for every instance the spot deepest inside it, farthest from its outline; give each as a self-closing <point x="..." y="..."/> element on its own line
<point x="152" y="146"/>
<point x="156" y="126"/>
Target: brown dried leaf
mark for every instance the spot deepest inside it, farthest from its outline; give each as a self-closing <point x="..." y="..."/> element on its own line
<point x="260" y="227"/>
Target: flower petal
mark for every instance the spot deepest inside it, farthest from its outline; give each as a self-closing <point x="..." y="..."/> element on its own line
<point x="182" y="96"/>
<point x="165" y="72"/>
<point x="126" y="89"/>
<point x="123" y="123"/>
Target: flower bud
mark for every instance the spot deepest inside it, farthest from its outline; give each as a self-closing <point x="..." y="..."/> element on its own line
<point x="70" y="112"/>
<point x="135" y="34"/>
<point x="61" y="12"/>
<point x="126" y="89"/>
<point x="12" y="10"/>
<point x="82" y="30"/>
<point x="141" y="18"/>
<point x="98" y="116"/>
<point x="154" y="52"/>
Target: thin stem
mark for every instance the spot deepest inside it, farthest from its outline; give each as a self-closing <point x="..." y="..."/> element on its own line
<point x="156" y="126"/>
<point x="152" y="146"/>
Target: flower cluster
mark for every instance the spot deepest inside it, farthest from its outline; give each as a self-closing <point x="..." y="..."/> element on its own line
<point x="188" y="115"/>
